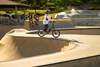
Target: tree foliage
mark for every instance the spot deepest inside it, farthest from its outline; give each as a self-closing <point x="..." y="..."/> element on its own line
<point x="38" y="4"/>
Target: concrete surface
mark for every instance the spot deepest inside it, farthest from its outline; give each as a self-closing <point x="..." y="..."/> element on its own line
<point x="85" y="53"/>
<point x="28" y="45"/>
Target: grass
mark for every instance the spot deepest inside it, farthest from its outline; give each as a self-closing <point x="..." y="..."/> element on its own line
<point x="20" y="12"/>
<point x="38" y="11"/>
<point x="3" y="12"/>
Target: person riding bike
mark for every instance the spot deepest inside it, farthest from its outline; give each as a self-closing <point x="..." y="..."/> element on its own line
<point x="46" y="21"/>
<point x="36" y="19"/>
<point x="30" y="16"/>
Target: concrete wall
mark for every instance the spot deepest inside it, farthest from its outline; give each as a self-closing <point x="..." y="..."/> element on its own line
<point x="6" y="28"/>
<point x="86" y="17"/>
<point x="38" y="46"/>
<point x="92" y="31"/>
<point x="19" y="47"/>
<point x="56" y="25"/>
<point x="86" y="21"/>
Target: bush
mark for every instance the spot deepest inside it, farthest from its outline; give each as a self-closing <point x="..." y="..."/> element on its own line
<point x="7" y="21"/>
<point x="3" y="13"/>
<point x="39" y="12"/>
<point x="94" y="8"/>
<point x="20" y="12"/>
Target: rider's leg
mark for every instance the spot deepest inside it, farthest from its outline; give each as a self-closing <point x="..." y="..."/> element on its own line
<point x="45" y="27"/>
<point x="32" y="22"/>
<point x="36" y="22"/>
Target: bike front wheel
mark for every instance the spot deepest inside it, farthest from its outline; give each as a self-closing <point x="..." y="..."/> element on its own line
<point x="56" y="33"/>
<point x="41" y="33"/>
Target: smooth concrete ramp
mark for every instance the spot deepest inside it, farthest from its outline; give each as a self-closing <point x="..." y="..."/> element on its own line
<point x="17" y="44"/>
<point x="84" y="51"/>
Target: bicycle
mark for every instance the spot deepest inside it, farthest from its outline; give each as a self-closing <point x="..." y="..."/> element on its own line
<point x="55" y="33"/>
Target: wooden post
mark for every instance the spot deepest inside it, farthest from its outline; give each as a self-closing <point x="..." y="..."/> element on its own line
<point x="24" y="13"/>
<point x="16" y="12"/>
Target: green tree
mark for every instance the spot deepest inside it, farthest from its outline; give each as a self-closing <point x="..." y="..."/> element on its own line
<point x="34" y="3"/>
<point x="38" y="4"/>
<point x="96" y="2"/>
<point x="65" y="3"/>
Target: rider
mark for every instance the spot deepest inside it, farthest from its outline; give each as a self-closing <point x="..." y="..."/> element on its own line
<point x="46" y="21"/>
<point x="36" y="19"/>
<point x="30" y="16"/>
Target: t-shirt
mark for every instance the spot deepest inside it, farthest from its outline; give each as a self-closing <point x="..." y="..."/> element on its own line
<point x="46" y="17"/>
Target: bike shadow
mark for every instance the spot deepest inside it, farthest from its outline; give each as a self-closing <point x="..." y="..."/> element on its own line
<point x="72" y="40"/>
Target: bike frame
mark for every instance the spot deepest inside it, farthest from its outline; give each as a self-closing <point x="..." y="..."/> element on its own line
<point x="52" y="27"/>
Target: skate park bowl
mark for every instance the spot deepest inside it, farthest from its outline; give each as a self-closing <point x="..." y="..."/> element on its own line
<point x="19" y="49"/>
<point x="29" y="50"/>
<point x="17" y="44"/>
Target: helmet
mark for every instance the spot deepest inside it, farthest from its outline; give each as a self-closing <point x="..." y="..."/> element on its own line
<point x="47" y="11"/>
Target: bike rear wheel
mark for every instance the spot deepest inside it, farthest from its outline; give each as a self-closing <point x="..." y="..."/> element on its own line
<point x="56" y="33"/>
<point x="41" y="33"/>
